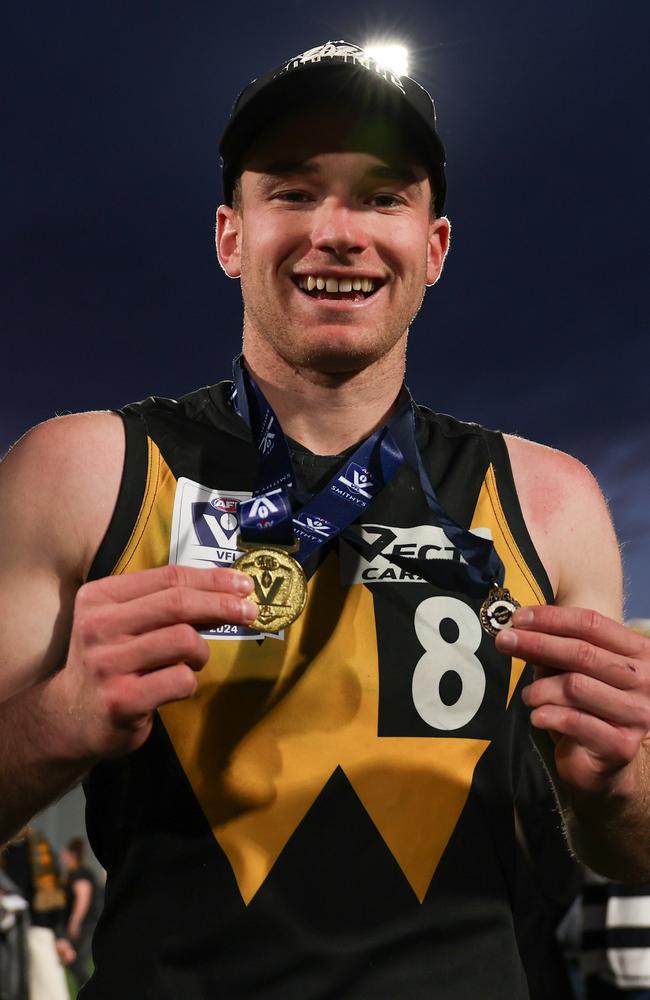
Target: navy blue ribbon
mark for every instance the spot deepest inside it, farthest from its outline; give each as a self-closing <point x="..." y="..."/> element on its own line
<point x="484" y="566"/>
<point x="267" y="518"/>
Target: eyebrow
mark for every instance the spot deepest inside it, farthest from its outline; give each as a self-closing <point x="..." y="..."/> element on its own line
<point x="282" y="168"/>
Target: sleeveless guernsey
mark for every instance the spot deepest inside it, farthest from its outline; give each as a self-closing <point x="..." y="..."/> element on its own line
<point x="331" y="815"/>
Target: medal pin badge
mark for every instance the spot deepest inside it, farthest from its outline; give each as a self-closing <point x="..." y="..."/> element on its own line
<point x="497" y="610"/>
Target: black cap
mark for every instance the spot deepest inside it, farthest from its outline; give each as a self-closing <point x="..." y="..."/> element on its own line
<point x="345" y="73"/>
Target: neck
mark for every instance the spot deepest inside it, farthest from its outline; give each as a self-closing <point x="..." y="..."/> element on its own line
<point x="327" y="412"/>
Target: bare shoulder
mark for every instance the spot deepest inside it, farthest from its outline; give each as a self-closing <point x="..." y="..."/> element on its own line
<point x="69" y="468"/>
<point x="84" y="430"/>
<point x="548" y="478"/>
<point x="58" y="489"/>
<point x="569" y="523"/>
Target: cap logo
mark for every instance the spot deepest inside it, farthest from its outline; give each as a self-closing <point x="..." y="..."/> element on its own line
<point x="343" y="52"/>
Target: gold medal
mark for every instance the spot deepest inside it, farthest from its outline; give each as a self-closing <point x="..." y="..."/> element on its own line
<point x="497" y="610"/>
<point x="280" y="586"/>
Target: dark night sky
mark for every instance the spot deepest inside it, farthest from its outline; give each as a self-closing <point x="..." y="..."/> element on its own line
<point x="539" y="324"/>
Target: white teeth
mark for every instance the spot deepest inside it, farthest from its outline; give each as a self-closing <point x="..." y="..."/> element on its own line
<point x="310" y="282"/>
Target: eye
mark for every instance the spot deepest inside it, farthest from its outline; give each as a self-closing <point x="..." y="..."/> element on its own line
<point x="293" y="197"/>
<point x="385" y="200"/>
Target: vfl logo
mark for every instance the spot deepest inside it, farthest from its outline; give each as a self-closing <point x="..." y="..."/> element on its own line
<point x="262" y="506"/>
<point x="216" y="523"/>
<point x="314" y="525"/>
<point x="268" y="438"/>
<point x="358" y="480"/>
<point x="204" y="532"/>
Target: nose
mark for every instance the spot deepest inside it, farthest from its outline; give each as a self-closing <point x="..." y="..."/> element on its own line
<point x="338" y="229"/>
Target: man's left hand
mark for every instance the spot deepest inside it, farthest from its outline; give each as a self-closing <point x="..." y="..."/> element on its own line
<point x="591" y="690"/>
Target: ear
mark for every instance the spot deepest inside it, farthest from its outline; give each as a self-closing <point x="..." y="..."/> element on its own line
<point x="228" y="240"/>
<point x="437" y="247"/>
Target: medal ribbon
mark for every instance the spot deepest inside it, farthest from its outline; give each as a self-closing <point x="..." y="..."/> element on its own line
<point x="267" y="517"/>
<point x="484" y="567"/>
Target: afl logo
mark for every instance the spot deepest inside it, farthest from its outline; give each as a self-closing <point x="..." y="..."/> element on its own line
<point x="227" y="504"/>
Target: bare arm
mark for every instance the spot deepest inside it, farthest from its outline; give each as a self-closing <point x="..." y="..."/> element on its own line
<point x="46" y="542"/>
<point x="82" y="891"/>
<point x="590" y="699"/>
<point x="58" y="489"/>
<point x="84" y="666"/>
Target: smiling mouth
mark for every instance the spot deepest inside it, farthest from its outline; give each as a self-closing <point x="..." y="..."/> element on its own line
<point x="352" y="289"/>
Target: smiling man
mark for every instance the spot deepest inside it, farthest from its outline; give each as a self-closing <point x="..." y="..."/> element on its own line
<point x="277" y="627"/>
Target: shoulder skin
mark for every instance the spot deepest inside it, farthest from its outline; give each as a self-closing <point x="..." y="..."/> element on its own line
<point x="58" y="489"/>
<point x="570" y="526"/>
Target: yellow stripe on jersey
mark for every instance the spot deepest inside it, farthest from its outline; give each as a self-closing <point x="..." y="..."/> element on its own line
<point x="519" y="579"/>
<point x="148" y="545"/>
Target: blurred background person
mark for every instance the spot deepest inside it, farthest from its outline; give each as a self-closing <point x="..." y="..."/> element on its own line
<point x="31" y="865"/>
<point x="615" y="940"/>
<point x="14" y="923"/>
<point x="84" y="900"/>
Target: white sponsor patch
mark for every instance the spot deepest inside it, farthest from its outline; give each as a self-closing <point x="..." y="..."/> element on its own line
<point x="205" y="528"/>
<point x="369" y="559"/>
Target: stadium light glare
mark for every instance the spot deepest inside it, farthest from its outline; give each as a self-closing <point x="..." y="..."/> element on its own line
<point x="394" y="57"/>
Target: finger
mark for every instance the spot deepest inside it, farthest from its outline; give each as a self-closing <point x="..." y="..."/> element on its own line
<point x="128" y="586"/>
<point x="571" y="655"/>
<point x="591" y="696"/>
<point x="136" y="697"/>
<point x="164" y="686"/>
<point x="151" y="651"/>
<point x="106" y="622"/>
<point x="182" y="604"/>
<point x="612" y="746"/>
<point x="581" y="623"/>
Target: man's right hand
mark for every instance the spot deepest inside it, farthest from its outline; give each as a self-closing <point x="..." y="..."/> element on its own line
<point x="133" y="647"/>
<point x="129" y="642"/>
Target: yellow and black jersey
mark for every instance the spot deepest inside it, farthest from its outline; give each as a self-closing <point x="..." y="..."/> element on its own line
<point x="331" y="815"/>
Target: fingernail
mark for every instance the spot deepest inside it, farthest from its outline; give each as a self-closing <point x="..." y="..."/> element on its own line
<point x="507" y="639"/>
<point x="249" y="610"/>
<point x="243" y="583"/>
<point x="524" y="694"/>
<point x="522" y="616"/>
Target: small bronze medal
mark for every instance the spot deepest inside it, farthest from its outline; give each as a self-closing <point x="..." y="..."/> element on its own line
<point x="497" y="610"/>
<point x="280" y="585"/>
